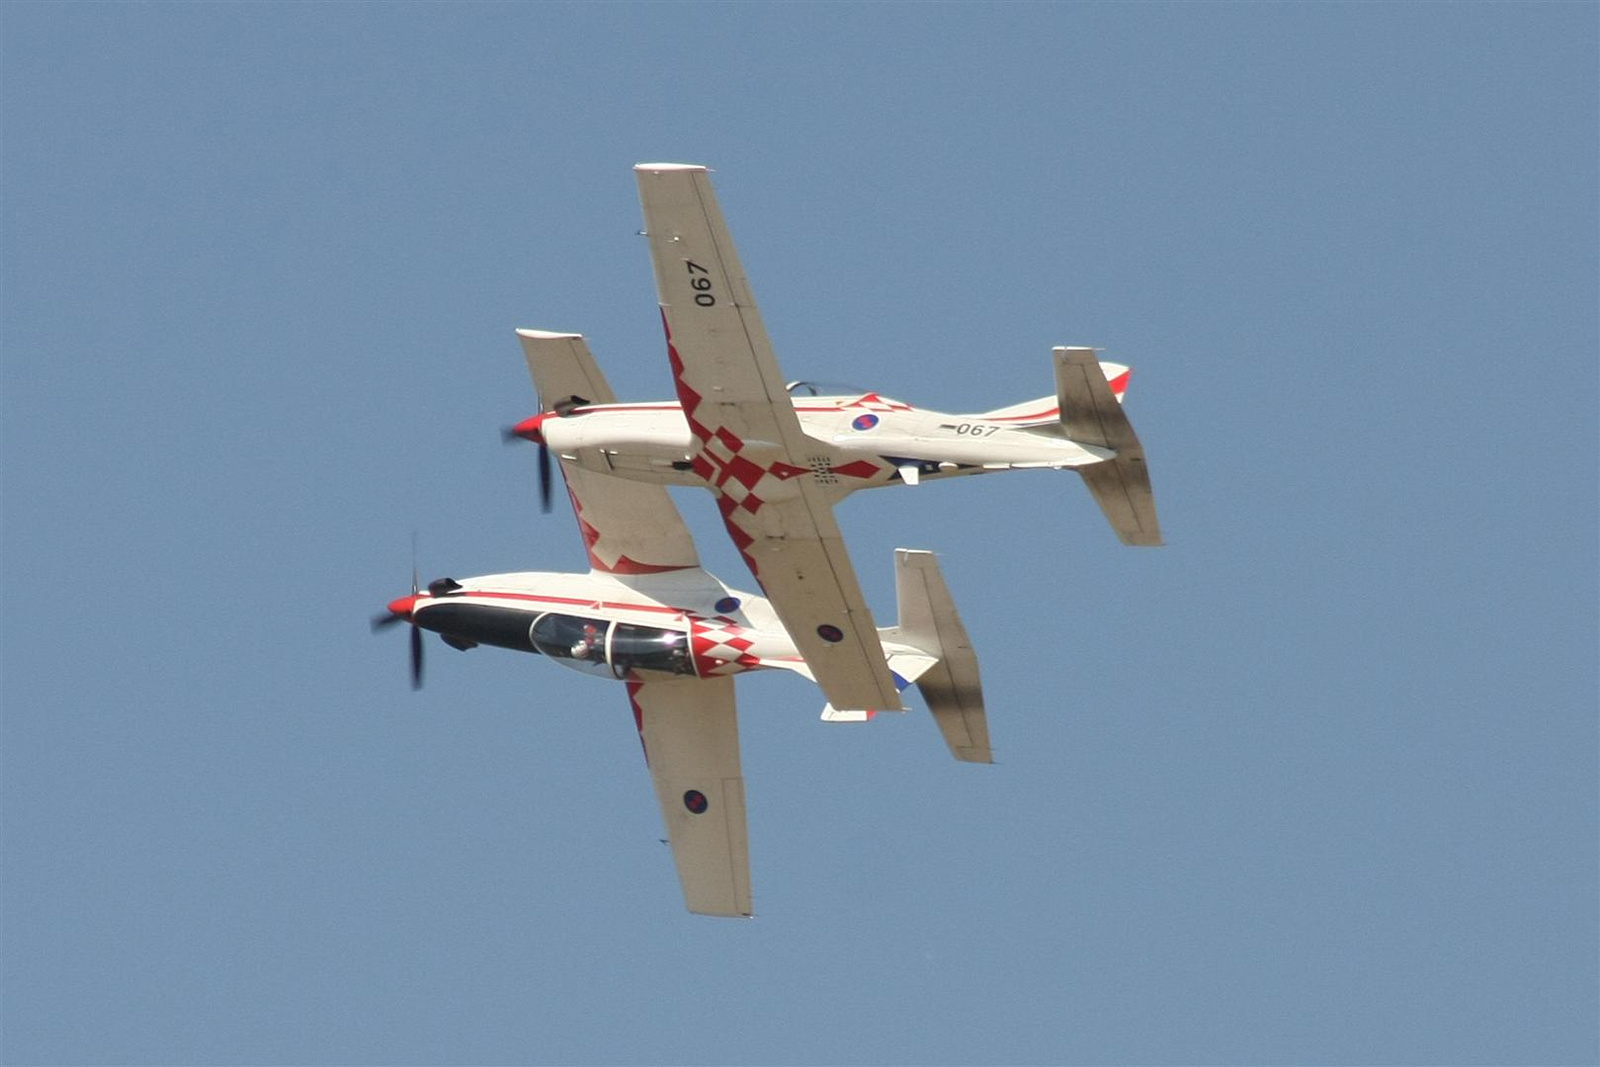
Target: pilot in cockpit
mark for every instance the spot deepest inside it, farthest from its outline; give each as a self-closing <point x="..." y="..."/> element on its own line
<point x="591" y="646"/>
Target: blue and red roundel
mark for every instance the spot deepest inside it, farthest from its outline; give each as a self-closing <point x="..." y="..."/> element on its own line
<point x="864" y="422"/>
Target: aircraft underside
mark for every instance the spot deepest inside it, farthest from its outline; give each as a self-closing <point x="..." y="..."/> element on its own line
<point x="774" y="462"/>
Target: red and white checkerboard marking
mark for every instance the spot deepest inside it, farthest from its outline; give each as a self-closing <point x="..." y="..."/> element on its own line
<point x="741" y="483"/>
<point x="720" y="647"/>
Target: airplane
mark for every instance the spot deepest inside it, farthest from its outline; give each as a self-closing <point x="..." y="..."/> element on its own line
<point x="676" y="636"/>
<point x="649" y="615"/>
<point x="836" y="442"/>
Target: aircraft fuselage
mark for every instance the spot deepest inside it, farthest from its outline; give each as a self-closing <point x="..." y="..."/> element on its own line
<point x="861" y="441"/>
<point x="683" y="622"/>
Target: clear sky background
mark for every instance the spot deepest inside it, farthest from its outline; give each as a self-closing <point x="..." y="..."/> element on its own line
<point x="1316" y="783"/>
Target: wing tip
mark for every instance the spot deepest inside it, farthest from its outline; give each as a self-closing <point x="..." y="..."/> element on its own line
<point x="722" y="914"/>
<point x="669" y="166"/>
<point x="546" y="335"/>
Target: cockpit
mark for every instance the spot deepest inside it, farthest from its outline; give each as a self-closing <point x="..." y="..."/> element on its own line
<point x="822" y="388"/>
<point x="610" y="649"/>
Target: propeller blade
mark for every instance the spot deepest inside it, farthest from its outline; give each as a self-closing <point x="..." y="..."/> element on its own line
<point x="401" y="610"/>
<point x="544" y="477"/>
<point x="416" y="656"/>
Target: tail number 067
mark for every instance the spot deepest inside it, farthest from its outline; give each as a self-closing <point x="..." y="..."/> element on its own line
<point x="700" y="282"/>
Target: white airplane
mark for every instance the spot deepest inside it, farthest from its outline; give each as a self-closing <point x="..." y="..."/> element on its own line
<point x="647" y="614"/>
<point x="676" y="636"/>
<point x="737" y="429"/>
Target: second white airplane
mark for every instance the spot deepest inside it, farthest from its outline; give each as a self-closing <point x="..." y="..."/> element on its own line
<point x="837" y="442"/>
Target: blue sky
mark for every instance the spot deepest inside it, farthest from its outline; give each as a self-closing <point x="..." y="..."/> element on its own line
<point x="1315" y="783"/>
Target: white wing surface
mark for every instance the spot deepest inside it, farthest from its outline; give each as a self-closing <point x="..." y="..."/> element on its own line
<point x="627" y="527"/>
<point x="690" y="731"/>
<point x="562" y="366"/>
<point x="765" y="471"/>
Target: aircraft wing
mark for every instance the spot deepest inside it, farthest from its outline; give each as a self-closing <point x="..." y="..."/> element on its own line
<point x="806" y="574"/>
<point x="562" y="367"/>
<point x="690" y="732"/>
<point x="706" y="299"/>
<point x="627" y="527"/>
<point x="753" y="453"/>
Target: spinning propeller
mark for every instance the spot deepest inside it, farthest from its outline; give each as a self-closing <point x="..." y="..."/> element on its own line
<point x="531" y="429"/>
<point x="400" y="611"/>
<point x="528" y="430"/>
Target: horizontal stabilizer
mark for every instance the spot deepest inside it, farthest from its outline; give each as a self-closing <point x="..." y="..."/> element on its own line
<point x="948" y="676"/>
<point x="1091" y="415"/>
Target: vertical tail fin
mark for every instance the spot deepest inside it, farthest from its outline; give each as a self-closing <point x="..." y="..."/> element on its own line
<point x="947" y="667"/>
<point x="1045" y="411"/>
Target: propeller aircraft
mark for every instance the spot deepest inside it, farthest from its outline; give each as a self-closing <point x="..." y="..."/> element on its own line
<point x="675" y="636"/>
<point x="723" y="367"/>
<point x="776" y="461"/>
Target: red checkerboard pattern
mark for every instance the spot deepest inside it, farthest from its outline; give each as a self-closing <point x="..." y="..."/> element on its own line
<point x="742" y="485"/>
<point x="720" y="647"/>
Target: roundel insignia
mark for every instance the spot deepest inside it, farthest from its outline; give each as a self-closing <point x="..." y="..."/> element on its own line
<point x="696" y="802"/>
<point x="864" y="422"/>
<point x="727" y="604"/>
<point x="830" y="633"/>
